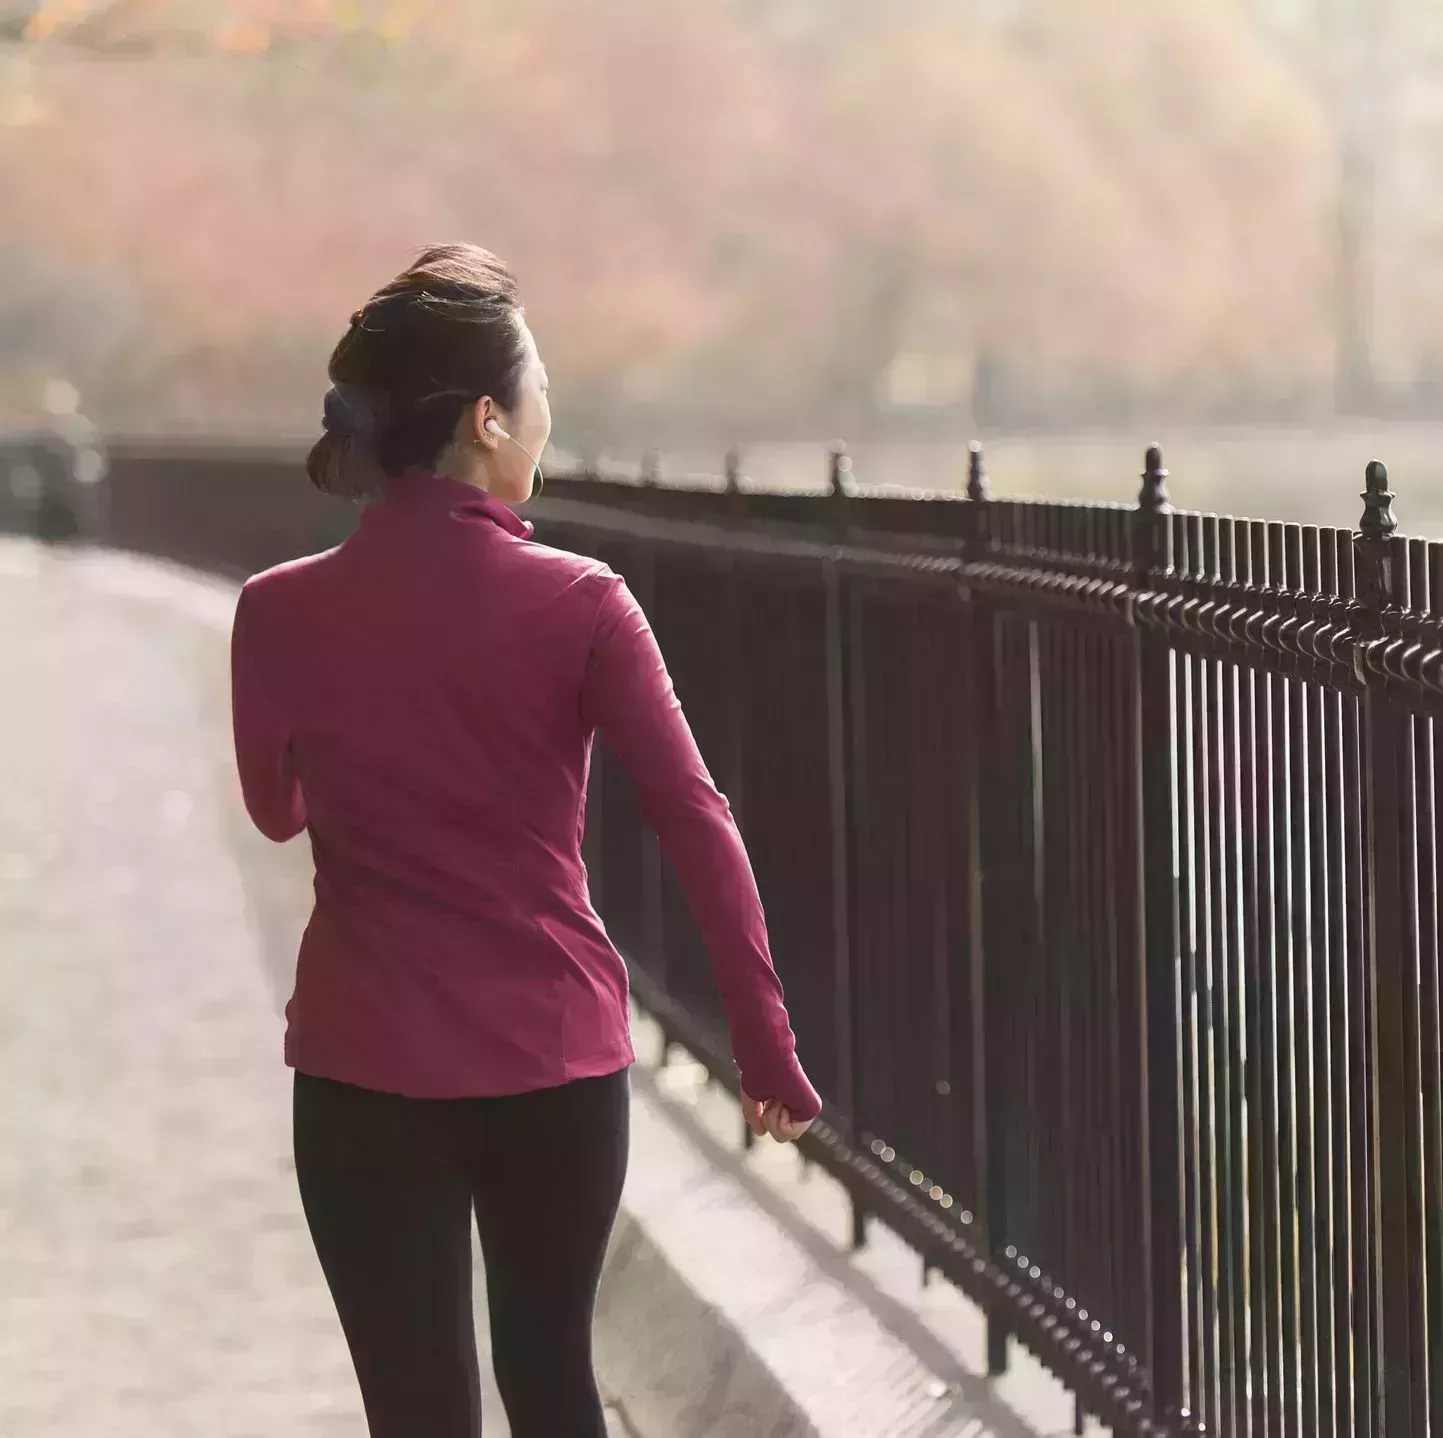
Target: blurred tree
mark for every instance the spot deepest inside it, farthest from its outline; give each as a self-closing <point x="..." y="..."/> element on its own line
<point x="15" y="18"/>
<point x="798" y="213"/>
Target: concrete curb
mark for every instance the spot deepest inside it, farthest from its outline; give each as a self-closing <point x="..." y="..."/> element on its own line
<point x="719" y="1318"/>
<point x="670" y="1360"/>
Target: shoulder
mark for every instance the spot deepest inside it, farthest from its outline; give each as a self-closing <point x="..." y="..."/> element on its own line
<point x="276" y="589"/>
<point x="589" y="580"/>
<point x="290" y="574"/>
<point x="562" y="562"/>
<point x="274" y="584"/>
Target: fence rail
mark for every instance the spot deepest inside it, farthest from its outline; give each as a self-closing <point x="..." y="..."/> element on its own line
<point x="1100" y="855"/>
<point x="1099" y="850"/>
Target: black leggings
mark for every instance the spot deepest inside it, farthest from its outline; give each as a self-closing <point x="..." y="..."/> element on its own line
<point x="389" y="1185"/>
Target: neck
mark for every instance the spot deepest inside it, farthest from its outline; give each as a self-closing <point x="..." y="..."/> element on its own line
<point x="463" y="466"/>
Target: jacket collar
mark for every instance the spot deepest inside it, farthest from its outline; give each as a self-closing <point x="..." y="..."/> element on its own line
<point x="456" y="498"/>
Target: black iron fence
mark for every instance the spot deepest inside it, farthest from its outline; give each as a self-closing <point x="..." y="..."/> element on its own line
<point x="1099" y="852"/>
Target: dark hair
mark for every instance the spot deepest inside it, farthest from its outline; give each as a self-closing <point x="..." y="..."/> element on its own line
<point x="442" y="334"/>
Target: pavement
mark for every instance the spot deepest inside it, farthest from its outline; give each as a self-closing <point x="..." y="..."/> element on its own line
<point x="158" y="1276"/>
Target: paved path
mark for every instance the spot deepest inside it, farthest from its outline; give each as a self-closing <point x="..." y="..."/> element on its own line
<point x="157" y="1275"/>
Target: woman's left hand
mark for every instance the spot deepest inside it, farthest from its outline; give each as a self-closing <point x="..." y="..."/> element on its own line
<point x="772" y="1118"/>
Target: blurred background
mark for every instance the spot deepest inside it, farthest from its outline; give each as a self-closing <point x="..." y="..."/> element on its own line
<point x="1064" y="228"/>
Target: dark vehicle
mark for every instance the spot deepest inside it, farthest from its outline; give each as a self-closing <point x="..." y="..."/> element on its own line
<point x="52" y="479"/>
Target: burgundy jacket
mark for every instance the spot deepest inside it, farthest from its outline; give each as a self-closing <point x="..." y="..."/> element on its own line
<point x="423" y="700"/>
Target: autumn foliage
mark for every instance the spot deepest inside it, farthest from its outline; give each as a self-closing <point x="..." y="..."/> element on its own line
<point x="744" y="215"/>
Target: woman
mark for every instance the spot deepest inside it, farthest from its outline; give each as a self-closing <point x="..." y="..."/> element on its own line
<point x="422" y="700"/>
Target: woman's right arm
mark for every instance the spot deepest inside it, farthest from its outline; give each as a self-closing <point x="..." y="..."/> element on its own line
<point x="272" y="794"/>
<point x="628" y="696"/>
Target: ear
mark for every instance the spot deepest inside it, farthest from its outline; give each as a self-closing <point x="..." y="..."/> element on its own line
<point x="474" y="421"/>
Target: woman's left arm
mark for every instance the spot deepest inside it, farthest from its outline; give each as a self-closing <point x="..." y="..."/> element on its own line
<point x="269" y="786"/>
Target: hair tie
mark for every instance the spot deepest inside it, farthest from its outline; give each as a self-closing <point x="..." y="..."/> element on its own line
<point x="348" y="414"/>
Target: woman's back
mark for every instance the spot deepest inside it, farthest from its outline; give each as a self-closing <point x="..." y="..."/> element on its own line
<point x="429" y="674"/>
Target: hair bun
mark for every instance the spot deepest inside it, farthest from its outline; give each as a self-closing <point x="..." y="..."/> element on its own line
<point x="349" y="413"/>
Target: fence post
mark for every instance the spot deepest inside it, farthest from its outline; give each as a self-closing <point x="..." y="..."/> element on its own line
<point x="839" y="474"/>
<point x="840" y="780"/>
<point x="1387" y="736"/>
<point x="990" y="966"/>
<point x="1162" y="1236"/>
<point x="641" y="578"/>
<point x="731" y="760"/>
<point x="732" y="472"/>
<point x="976" y="476"/>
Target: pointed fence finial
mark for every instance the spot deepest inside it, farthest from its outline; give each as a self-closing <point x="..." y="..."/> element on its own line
<point x="976" y="473"/>
<point x="1375" y="554"/>
<point x="1378" y="521"/>
<point x="1154" y="496"/>
<point x="1151" y="531"/>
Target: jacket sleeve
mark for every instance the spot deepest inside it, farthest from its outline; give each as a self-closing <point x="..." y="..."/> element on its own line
<point x="262" y="740"/>
<point x="629" y="698"/>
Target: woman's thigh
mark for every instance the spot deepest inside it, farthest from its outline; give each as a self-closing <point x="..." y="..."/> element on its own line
<point x="388" y="1203"/>
<point x="548" y="1171"/>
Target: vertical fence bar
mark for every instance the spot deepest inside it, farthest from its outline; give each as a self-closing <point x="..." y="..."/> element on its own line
<point x="1124" y="998"/>
<point x="1387" y="740"/>
<point x="843" y="749"/>
<point x="1335" y="552"/>
<point x="1431" y="1008"/>
<point x="643" y="580"/>
<point x="1262" y="1060"/>
<point x="1419" y="869"/>
<point x="1365" y="1396"/>
<point x="1284" y="864"/>
<point x="1339" y="801"/>
<point x="1243" y="743"/>
<point x="1039" y="1062"/>
<point x="1185" y="809"/>
<point x="989" y="965"/>
<point x="1049" y="1239"/>
<point x="1316" y="798"/>
<point x="1163" y="1237"/>
<point x="1302" y="1244"/>
<point x="1013" y="931"/>
<point x="1227" y="1014"/>
<point x="731" y="760"/>
<point x="1207" y="1399"/>
<point x="838" y="744"/>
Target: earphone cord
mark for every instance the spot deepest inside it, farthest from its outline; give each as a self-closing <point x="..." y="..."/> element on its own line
<point x="540" y="479"/>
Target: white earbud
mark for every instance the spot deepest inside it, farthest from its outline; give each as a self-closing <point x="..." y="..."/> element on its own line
<point x="492" y="427"/>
